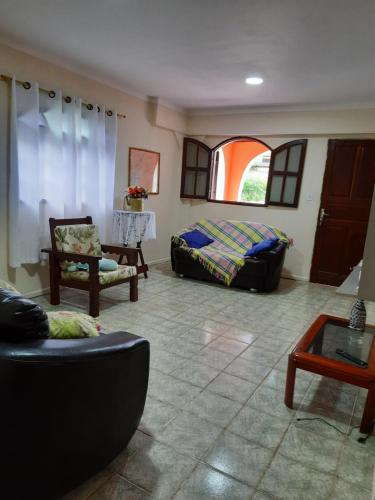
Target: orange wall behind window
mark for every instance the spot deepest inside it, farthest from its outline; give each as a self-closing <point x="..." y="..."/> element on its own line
<point x="237" y="156"/>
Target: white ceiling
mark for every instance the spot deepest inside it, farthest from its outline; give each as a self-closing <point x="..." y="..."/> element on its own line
<point x="197" y="53"/>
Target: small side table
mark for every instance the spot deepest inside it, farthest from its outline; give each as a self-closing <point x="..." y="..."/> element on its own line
<point x="316" y="353"/>
<point x="130" y="227"/>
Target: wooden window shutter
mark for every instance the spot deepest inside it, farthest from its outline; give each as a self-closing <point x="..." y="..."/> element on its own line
<point x="285" y="175"/>
<point x="196" y="169"/>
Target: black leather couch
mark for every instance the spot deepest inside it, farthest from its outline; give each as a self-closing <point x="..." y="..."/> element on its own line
<point x="68" y="407"/>
<point x="261" y="273"/>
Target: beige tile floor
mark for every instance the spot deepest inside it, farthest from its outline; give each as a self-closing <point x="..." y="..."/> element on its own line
<point x="215" y="425"/>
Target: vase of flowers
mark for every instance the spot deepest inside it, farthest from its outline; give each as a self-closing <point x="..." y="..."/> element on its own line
<point x="135" y="198"/>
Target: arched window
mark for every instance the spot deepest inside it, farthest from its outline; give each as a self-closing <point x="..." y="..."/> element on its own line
<point x="243" y="170"/>
<point x="242" y="158"/>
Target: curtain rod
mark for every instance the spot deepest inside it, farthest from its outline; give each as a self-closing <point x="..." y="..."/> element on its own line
<point x="51" y="93"/>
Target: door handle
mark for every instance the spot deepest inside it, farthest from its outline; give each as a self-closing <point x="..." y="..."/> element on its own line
<point x="322" y="216"/>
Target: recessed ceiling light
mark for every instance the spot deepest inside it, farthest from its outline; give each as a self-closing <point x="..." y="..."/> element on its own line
<point x="254" y="80"/>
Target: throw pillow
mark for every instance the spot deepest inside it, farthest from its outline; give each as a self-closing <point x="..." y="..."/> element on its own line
<point x="196" y="239"/>
<point x="21" y="318"/>
<point x="107" y="265"/>
<point x="261" y="246"/>
<point x="78" y="267"/>
<point x="72" y="325"/>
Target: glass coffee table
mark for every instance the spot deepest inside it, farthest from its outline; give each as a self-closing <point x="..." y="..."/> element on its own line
<point x="331" y="349"/>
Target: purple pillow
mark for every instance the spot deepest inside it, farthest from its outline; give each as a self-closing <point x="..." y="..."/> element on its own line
<point x="196" y="239"/>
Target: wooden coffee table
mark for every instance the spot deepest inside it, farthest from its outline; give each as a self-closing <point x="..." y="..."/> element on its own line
<point x="316" y="352"/>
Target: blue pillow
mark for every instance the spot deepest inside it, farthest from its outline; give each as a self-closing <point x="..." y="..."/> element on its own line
<point x="196" y="239"/>
<point x="78" y="267"/>
<point x="107" y="265"/>
<point x="261" y="246"/>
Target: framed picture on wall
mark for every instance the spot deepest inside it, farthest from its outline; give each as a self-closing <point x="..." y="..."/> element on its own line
<point x="144" y="169"/>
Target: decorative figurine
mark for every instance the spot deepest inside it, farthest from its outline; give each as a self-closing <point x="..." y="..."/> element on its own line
<point x="357" y="320"/>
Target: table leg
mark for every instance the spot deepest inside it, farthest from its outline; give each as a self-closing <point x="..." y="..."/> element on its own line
<point x="121" y="256"/>
<point x="144" y="267"/>
<point x="290" y="382"/>
<point x="367" y="423"/>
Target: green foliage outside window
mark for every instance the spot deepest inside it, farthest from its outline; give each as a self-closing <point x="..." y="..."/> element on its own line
<point x="254" y="190"/>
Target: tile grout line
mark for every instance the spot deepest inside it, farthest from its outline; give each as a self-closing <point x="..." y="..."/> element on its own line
<point x="100" y="485"/>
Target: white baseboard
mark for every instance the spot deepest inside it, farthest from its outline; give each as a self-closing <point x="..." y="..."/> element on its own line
<point x="295" y="277"/>
<point x="36" y="293"/>
<point x="159" y="261"/>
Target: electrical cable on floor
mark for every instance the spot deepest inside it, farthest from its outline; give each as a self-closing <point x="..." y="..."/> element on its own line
<point x="360" y="439"/>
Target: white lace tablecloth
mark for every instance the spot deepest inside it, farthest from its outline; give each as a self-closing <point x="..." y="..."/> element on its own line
<point x="131" y="227"/>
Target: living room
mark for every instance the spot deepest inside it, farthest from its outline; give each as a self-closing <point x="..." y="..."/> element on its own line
<point x="219" y="354"/>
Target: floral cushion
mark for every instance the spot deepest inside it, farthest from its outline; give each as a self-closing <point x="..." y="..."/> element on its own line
<point x="78" y="238"/>
<point x="105" y="277"/>
<point x="71" y="325"/>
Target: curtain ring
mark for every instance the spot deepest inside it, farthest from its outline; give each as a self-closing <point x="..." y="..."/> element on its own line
<point x="90" y="107"/>
<point x="98" y="109"/>
<point x="67" y="99"/>
<point x="26" y="85"/>
<point x="52" y="94"/>
<point x="109" y="113"/>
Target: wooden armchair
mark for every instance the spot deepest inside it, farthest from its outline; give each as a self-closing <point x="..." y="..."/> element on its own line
<point x="77" y="240"/>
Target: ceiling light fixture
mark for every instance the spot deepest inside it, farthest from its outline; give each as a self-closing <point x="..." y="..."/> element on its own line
<point x="254" y="80"/>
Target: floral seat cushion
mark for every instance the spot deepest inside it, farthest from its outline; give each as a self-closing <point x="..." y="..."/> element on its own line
<point x="105" y="277"/>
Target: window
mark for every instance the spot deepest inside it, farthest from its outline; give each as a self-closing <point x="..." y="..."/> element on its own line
<point x="236" y="157"/>
<point x="243" y="170"/>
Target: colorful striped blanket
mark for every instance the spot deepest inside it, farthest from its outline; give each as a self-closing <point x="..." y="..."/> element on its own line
<point x="225" y="256"/>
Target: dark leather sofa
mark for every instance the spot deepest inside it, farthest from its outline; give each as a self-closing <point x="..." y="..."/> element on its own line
<point x="68" y="407"/>
<point x="261" y="273"/>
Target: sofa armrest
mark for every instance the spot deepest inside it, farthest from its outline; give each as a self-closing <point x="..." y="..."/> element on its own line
<point x="274" y="253"/>
<point x="173" y="246"/>
<point x="73" y="350"/>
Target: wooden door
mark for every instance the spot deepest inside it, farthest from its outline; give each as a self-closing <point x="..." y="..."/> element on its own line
<point x="344" y="211"/>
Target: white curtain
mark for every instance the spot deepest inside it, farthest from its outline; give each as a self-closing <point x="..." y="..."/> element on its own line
<point x="62" y="165"/>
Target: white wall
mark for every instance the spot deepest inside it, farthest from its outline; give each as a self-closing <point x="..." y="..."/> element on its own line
<point x="141" y="128"/>
<point x="287" y="123"/>
<point x="367" y="282"/>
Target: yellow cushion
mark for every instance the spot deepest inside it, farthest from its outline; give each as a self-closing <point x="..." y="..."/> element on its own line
<point x="105" y="277"/>
<point x="71" y="325"/>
